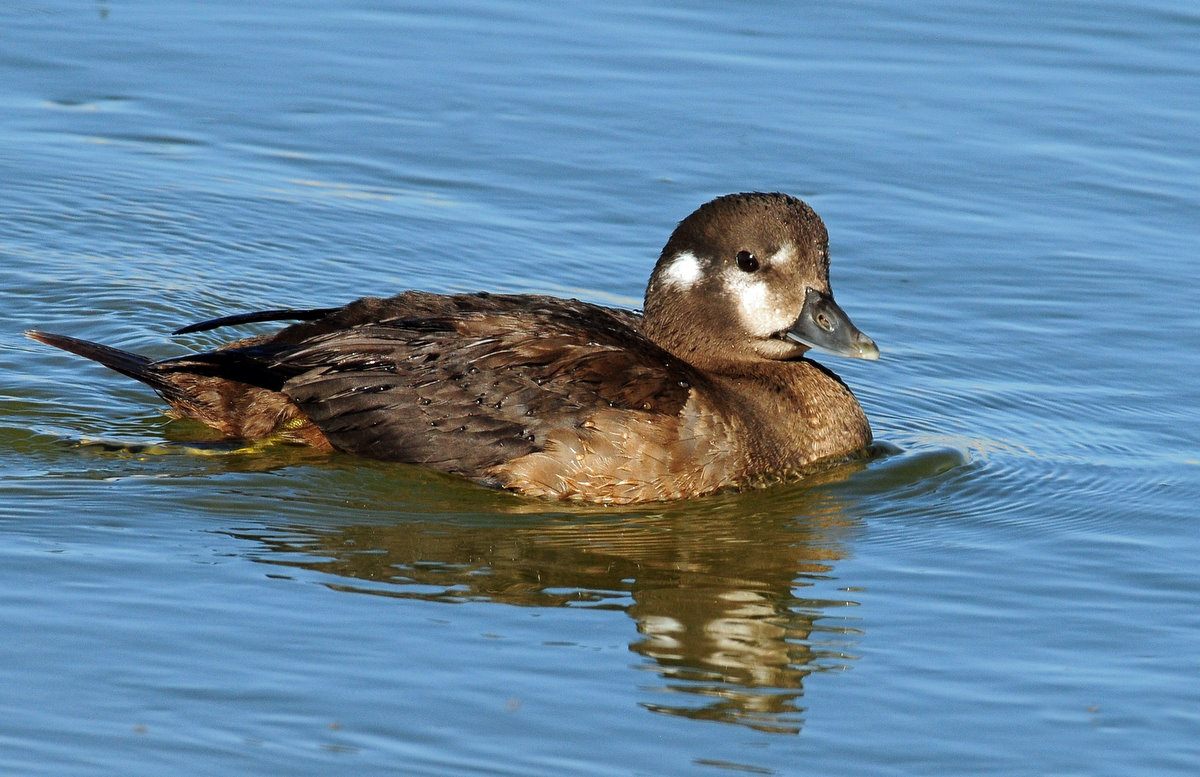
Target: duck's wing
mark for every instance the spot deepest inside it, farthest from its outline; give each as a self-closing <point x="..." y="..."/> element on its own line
<point x="459" y="383"/>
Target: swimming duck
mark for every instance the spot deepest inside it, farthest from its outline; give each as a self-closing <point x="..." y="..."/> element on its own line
<point x="707" y="389"/>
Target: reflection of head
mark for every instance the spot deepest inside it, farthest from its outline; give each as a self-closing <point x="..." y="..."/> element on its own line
<point x="740" y="655"/>
<point x="714" y="585"/>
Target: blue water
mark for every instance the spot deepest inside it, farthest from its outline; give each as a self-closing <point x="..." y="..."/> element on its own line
<point x="1012" y="193"/>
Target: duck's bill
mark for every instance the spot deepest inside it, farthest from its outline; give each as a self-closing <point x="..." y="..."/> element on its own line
<point x="826" y="327"/>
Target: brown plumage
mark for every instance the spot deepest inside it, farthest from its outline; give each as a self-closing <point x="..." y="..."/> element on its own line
<point x="554" y="397"/>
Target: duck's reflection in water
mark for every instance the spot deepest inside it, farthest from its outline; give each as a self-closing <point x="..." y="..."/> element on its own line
<point x="715" y="586"/>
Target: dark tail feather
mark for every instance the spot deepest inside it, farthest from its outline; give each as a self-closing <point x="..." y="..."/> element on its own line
<point x="253" y="318"/>
<point x="131" y="364"/>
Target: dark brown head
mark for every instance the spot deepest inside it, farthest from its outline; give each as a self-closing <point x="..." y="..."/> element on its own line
<point x="746" y="278"/>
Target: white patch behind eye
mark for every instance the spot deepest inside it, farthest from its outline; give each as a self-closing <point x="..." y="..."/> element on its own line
<point x="785" y="258"/>
<point x="683" y="271"/>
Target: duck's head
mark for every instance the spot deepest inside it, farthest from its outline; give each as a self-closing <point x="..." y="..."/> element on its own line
<point x="746" y="278"/>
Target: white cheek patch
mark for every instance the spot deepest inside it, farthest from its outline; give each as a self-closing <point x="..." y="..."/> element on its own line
<point x="683" y="271"/>
<point x="753" y="297"/>
<point x="760" y="310"/>
<point x="760" y="305"/>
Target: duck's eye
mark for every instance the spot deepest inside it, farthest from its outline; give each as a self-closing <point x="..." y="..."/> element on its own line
<point x="746" y="261"/>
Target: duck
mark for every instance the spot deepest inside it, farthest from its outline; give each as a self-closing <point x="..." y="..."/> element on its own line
<point x="708" y="388"/>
